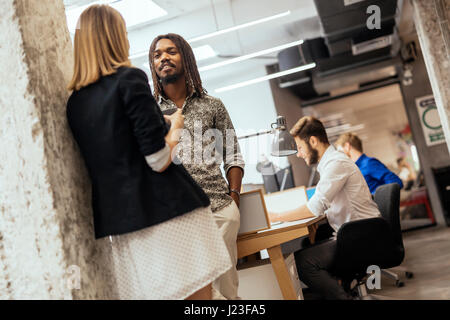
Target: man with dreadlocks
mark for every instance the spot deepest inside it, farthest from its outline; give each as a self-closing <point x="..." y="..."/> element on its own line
<point x="177" y="84"/>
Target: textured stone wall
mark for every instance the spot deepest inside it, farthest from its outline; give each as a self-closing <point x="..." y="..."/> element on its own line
<point x="432" y="21"/>
<point x="45" y="214"/>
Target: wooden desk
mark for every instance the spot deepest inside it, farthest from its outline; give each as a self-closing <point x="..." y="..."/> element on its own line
<point x="271" y="239"/>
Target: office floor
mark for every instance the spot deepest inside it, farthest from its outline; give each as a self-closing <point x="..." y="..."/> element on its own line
<point x="428" y="257"/>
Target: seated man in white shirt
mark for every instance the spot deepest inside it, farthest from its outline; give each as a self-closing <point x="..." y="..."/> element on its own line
<point x="342" y="195"/>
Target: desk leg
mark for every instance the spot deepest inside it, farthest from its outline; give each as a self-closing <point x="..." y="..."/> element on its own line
<point x="282" y="273"/>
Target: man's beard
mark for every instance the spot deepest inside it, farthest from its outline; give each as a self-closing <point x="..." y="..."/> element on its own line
<point x="171" y="78"/>
<point x="313" y="155"/>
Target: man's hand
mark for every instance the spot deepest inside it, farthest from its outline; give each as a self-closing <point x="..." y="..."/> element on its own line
<point x="236" y="198"/>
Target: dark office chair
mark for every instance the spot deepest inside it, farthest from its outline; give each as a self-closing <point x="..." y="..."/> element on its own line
<point x="389" y="273"/>
<point x="367" y="242"/>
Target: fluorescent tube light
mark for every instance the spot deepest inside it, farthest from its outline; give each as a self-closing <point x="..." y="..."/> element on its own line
<point x="134" y="12"/>
<point x="295" y="82"/>
<point x="251" y="55"/>
<point x="241" y="26"/>
<point x="268" y="77"/>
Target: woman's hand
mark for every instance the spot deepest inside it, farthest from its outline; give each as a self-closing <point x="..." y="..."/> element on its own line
<point x="176" y="120"/>
<point x="176" y="124"/>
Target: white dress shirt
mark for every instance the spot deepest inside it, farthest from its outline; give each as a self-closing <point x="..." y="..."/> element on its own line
<point x="158" y="160"/>
<point x="342" y="193"/>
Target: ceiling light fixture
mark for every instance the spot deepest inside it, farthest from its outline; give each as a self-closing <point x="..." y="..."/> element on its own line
<point x="241" y="26"/>
<point x="250" y="56"/>
<point x="134" y="12"/>
<point x="268" y="77"/>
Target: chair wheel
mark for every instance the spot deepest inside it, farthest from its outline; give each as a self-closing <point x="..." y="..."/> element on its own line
<point x="399" y="284"/>
<point x="409" y="275"/>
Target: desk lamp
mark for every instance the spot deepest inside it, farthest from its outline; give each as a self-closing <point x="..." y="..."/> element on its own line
<point x="283" y="144"/>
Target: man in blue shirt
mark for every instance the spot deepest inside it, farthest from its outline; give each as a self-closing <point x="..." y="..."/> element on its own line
<point x="375" y="173"/>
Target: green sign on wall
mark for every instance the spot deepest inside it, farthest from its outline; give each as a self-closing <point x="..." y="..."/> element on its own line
<point x="429" y="118"/>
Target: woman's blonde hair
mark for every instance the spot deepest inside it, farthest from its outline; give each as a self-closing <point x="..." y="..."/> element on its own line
<point x="100" y="45"/>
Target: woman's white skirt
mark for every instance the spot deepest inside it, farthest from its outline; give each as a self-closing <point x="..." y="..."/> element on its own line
<point x="171" y="260"/>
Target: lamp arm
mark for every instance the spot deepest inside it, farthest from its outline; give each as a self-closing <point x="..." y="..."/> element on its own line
<point x="256" y="134"/>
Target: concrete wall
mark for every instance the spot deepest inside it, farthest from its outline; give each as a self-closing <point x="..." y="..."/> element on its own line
<point x="46" y="230"/>
<point x="433" y="156"/>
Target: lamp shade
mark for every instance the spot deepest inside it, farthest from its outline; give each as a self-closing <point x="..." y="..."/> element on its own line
<point x="283" y="144"/>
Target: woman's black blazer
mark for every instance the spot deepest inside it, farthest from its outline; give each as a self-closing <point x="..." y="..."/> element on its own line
<point x="116" y="122"/>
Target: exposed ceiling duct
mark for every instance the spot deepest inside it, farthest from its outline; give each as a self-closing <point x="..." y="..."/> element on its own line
<point x="349" y="55"/>
<point x="354" y="78"/>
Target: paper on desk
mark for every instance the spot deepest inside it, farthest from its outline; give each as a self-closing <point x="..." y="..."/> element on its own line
<point x="287" y="224"/>
<point x="285" y="200"/>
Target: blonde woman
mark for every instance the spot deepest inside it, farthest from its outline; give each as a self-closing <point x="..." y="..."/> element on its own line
<point x="165" y="243"/>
